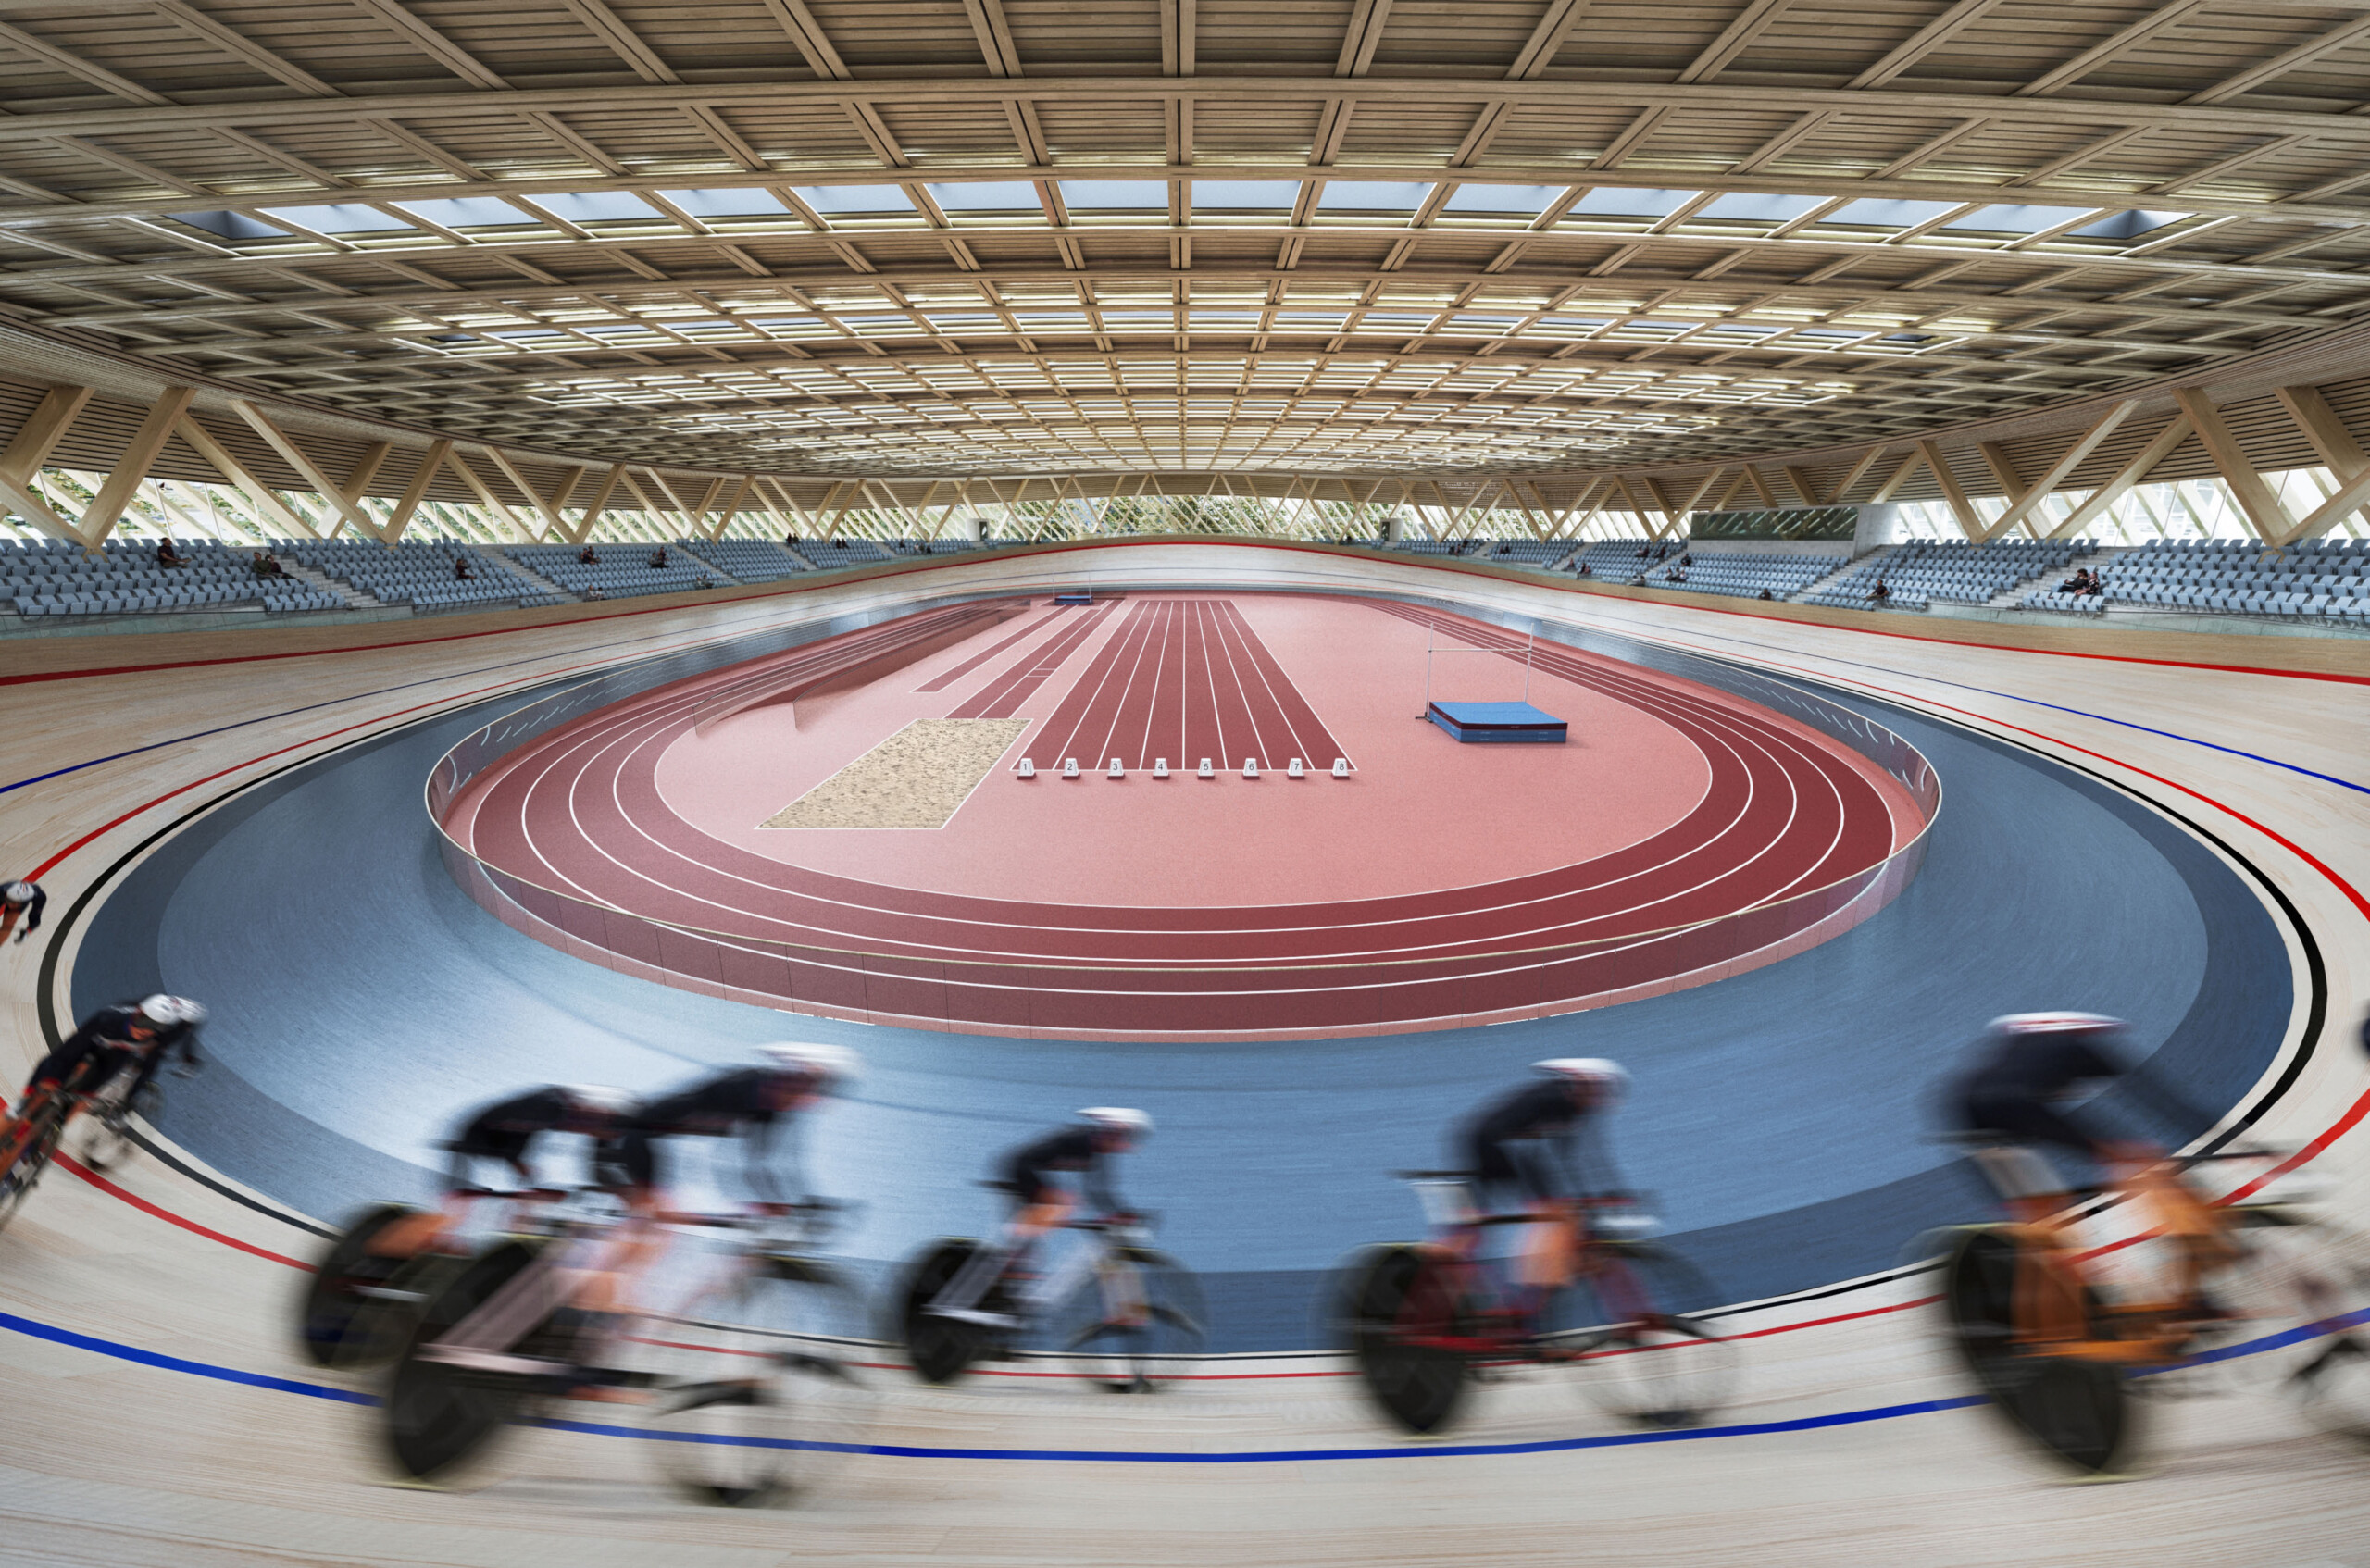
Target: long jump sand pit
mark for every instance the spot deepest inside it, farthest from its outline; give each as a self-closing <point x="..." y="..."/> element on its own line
<point x="917" y="778"/>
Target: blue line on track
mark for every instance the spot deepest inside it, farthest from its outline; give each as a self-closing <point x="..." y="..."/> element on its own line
<point x="1150" y="1456"/>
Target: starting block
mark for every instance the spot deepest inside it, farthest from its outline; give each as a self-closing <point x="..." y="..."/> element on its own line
<point x="1027" y="770"/>
<point x="1296" y="770"/>
<point x="1340" y="768"/>
<point x="1117" y="770"/>
<point x="1251" y="767"/>
<point x="1204" y="771"/>
<point x="1160" y="768"/>
<point x="1069" y="767"/>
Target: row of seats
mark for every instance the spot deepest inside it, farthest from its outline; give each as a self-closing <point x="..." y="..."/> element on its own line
<point x="933" y="546"/>
<point x="747" y="560"/>
<point x="834" y="554"/>
<point x="2326" y="580"/>
<point x="418" y="572"/>
<point x="1925" y="570"/>
<point x="1740" y="574"/>
<point x="621" y="571"/>
<point x="1622" y="561"/>
<point x="59" y="578"/>
<point x="1541" y="553"/>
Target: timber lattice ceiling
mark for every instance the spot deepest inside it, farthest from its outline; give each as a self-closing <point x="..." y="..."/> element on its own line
<point x="1384" y="237"/>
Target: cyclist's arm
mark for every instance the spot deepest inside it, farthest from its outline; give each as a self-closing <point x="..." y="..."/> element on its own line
<point x="1097" y="1188"/>
<point x="1589" y="1160"/>
<point x="759" y="1139"/>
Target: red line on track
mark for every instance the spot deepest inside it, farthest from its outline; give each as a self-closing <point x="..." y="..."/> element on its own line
<point x="145" y="1207"/>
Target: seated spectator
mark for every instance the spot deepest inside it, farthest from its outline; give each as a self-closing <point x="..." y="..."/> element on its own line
<point x="705" y="581"/>
<point x="1584" y="570"/>
<point x="1764" y="593"/>
<point x="594" y="592"/>
<point x="1679" y="574"/>
<point x="1642" y="552"/>
<point x="461" y="569"/>
<point x="658" y="558"/>
<point x="790" y="540"/>
<point x="263" y="563"/>
<point x="589" y="556"/>
<point x="1880" y="593"/>
<point x="168" y="557"/>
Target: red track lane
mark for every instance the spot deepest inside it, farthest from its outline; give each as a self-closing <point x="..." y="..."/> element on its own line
<point x="578" y="812"/>
<point x="942" y="682"/>
<point x="1001" y="697"/>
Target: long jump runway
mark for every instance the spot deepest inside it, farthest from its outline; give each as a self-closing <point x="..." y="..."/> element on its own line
<point x="577" y="845"/>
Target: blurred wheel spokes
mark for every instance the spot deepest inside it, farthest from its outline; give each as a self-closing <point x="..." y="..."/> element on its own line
<point x="757" y="1392"/>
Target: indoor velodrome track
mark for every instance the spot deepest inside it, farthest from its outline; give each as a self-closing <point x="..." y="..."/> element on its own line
<point x="2168" y="828"/>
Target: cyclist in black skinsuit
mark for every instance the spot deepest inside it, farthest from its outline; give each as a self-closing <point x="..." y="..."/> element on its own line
<point x="22" y="898"/>
<point x="507" y="1132"/>
<point x="135" y="1035"/>
<point x="1523" y="1151"/>
<point x="1042" y="1204"/>
<point x="2026" y="1064"/>
<point x="753" y="1104"/>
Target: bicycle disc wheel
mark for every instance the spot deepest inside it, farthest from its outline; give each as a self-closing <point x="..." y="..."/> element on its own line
<point x="1132" y="1326"/>
<point x="939" y="1349"/>
<point x="2079" y="1411"/>
<point x="442" y="1421"/>
<point x="334" y="1298"/>
<point x="1642" y="1355"/>
<point x="759" y="1391"/>
<point x="1402" y="1295"/>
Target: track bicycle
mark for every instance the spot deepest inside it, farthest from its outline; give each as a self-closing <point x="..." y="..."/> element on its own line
<point x="1425" y="1320"/>
<point x="2066" y="1353"/>
<point x="749" y="1382"/>
<point x="30" y="1143"/>
<point x="107" y="1141"/>
<point x="1122" y="1313"/>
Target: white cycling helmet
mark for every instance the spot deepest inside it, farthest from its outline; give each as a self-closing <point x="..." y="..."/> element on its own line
<point x="1118" y="1118"/>
<point x="829" y="1065"/>
<point x="2055" y="1024"/>
<point x="18" y="893"/>
<point x="605" y="1098"/>
<point x="1595" y="1071"/>
<point x="167" y="1010"/>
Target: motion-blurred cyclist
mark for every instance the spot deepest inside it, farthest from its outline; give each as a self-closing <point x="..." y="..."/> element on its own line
<point x="2025" y="1065"/>
<point x="506" y="1134"/>
<point x="1524" y="1151"/>
<point x="134" y="1037"/>
<point x="21" y="898"/>
<point x="756" y="1104"/>
<point x="1040" y="1203"/>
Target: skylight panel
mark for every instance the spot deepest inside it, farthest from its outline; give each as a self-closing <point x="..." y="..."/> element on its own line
<point x="2004" y="218"/>
<point x="2129" y="225"/>
<point x="1003" y="196"/>
<point x="854" y="200"/>
<point x="230" y="224"/>
<point x="1605" y="202"/>
<point x="344" y="217"/>
<point x="1372" y="195"/>
<point x="1245" y="195"/>
<point x="1504" y="201"/>
<point x="1872" y="213"/>
<point x="597" y="206"/>
<point x="1116" y="195"/>
<point x="751" y="202"/>
<point x="470" y="212"/>
<point x="1754" y="206"/>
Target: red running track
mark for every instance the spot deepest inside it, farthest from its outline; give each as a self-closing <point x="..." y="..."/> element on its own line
<point x="571" y="840"/>
<point x="1185" y="681"/>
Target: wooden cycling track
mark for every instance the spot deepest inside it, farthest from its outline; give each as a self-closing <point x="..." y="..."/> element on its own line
<point x="158" y="1417"/>
<point x="578" y="813"/>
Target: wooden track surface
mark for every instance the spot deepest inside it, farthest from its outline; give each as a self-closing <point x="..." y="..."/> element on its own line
<point x="105" y="1460"/>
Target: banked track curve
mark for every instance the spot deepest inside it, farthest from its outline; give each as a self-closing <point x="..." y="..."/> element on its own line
<point x="1855" y="1450"/>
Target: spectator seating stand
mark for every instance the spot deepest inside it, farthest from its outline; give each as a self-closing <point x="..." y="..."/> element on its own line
<point x="59" y="578"/>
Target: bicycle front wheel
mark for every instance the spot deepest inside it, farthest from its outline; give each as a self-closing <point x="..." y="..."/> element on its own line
<point x="941" y="1349"/>
<point x="24" y="1174"/>
<point x="1643" y="1354"/>
<point x="760" y="1392"/>
<point x="2078" y="1412"/>
<point x="1399" y="1299"/>
<point x="1132" y="1326"/>
<point x="341" y="1293"/>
